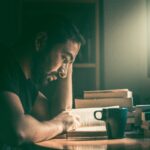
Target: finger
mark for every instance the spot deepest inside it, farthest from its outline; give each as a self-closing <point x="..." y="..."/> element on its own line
<point x="78" y="118"/>
<point x="74" y="126"/>
<point x="52" y="78"/>
<point x="77" y="123"/>
<point x="75" y="117"/>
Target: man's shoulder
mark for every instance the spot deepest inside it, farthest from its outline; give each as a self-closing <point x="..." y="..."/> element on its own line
<point x="9" y="69"/>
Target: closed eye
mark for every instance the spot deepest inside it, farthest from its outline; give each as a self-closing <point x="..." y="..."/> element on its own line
<point x="68" y="58"/>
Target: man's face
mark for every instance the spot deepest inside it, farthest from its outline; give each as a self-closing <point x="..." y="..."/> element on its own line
<point x="56" y="63"/>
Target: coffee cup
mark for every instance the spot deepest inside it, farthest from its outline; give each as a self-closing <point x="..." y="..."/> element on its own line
<point x="115" y="119"/>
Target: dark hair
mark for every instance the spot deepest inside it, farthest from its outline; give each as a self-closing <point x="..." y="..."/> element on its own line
<point x="58" y="29"/>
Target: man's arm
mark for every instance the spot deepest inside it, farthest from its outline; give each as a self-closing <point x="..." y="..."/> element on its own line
<point x="62" y="94"/>
<point x="16" y="127"/>
<point x="58" y="98"/>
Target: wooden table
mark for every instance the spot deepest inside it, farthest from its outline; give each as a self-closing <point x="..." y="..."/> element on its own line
<point x="98" y="144"/>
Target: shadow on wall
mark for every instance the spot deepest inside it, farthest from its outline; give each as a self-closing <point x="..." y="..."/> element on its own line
<point x="138" y="100"/>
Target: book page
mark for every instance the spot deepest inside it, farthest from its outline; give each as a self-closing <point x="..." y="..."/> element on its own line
<point x="87" y="116"/>
<point x="91" y="129"/>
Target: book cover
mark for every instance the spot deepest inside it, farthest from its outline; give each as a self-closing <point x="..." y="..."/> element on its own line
<point x="141" y="108"/>
<point x="87" y="103"/>
<point x="145" y="116"/>
<point x="116" y="93"/>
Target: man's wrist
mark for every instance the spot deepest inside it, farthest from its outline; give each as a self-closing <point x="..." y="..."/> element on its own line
<point x="57" y="124"/>
<point x="70" y="69"/>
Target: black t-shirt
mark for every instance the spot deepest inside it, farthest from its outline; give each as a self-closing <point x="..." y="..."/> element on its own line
<point x="12" y="79"/>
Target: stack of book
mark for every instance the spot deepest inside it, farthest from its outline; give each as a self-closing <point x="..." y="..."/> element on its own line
<point x="139" y="110"/>
<point x="105" y="98"/>
<point x="109" y="98"/>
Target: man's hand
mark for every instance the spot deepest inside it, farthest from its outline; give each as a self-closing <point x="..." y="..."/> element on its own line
<point x="67" y="121"/>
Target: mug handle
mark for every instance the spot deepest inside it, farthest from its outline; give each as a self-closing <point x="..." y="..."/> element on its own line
<point x="98" y="117"/>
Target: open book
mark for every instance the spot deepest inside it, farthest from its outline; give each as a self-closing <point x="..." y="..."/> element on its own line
<point x="90" y="127"/>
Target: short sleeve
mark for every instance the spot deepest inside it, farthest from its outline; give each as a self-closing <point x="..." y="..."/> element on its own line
<point x="8" y="78"/>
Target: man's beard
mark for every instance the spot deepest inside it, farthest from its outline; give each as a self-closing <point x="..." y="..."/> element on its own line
<point x="39" y="77"/>
<point x="39" y="73"/>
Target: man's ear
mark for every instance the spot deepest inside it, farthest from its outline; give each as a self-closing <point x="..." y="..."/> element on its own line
<point x="40" y="40"/>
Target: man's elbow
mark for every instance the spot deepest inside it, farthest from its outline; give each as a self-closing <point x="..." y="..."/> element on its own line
<point x="14" y="137"/>
<point x="21" y="138"/>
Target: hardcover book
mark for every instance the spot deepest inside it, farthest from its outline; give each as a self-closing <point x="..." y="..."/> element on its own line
<point x="105" y="102"/>
<point x="115" y="93"/>
<point x="145" y="116"/>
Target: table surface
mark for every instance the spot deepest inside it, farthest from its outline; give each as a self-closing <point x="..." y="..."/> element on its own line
<point x="127" y="143"/>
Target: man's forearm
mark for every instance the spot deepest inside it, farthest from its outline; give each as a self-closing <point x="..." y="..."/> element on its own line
<point x="59" y="94"/>
<point x="65" y="92"/>
<point x="28" y="129"/>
